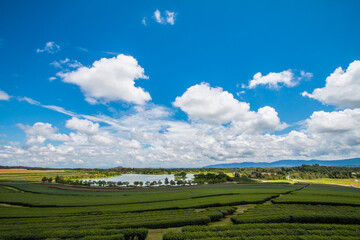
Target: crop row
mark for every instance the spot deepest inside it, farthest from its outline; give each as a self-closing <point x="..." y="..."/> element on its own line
<point x="189" y="192"/>
<point x="246" y="226"/>
<point x="318" y="199"/>
<point x="214" y="201"/>
<point x="320" y="194"/>
<point x="299" y="213"/>
<point x="35" y="226"/>
<point x="125" y="234"/>
<point x="267" y="231"/>
<point x="39" y="200"/>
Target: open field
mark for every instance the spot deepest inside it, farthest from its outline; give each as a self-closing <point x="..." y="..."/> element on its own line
<point x="55" y="211"/>
<point x="37" y="175"/>
<point x="345" y="182"/>
<point x="19" y="170"/>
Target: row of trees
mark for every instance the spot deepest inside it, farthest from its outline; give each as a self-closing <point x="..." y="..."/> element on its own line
<point x="210" y="176"/>
<point x="167" y="182"/>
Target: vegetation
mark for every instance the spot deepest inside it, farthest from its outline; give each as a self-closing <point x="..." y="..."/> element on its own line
<point x="313" y="173"/>
<point x="302" y="213"/>
<point x="59" y="207"/>
<point x="268" y="231"/>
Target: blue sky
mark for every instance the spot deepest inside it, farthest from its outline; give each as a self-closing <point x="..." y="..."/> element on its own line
<point x="178" y="83"/>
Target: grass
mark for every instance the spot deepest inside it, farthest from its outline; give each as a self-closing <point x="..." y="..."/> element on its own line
<point x="37" y="175"/>
<point x="157" y="234"/>
<point x="345" y="182"/>
<point x="227" y="219"/>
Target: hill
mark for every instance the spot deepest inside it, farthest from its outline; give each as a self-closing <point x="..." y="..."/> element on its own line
<point x="353" y="162"/>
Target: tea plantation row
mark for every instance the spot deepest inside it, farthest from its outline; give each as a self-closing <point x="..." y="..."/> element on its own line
<point x="268" y="231"/>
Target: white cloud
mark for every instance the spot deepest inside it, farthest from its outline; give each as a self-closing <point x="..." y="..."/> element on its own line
<point x="82" y="125"/>
<point x="276" y="80"/>
<point x="334" y="122"/>
<point x="110" y="79"/>
<point x="39" y="132"/>
<point x="342" y="88"/>
<point x="148" y="136"/>
<point x="103" y="138"/>
<point x="4" y="96"/>
<point x="66" y="63"/>
<point x="240" y="93"/>
<point x="202" y="102"/>
<point x="143" y="21"/>
<point x="170" y="17"/>
<point x="51" y="107"/>
<point x="50" y="47"/>
<point x="211" y="104"/>
<point x="52" y="79"/>
<point x="157" y="16"/>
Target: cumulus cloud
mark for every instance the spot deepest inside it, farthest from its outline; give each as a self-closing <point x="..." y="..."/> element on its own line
<point x="50" y="47"/>
<point x="169" y="17"/>
<point x="4" y="96"/>
<point x="202" y="102"/>
<point x="334" y="122"/>
<point x="275" y="80"/>
<point x="39" y="132"/>
<point x="82" y="125"/>
<point x="342" y="88"/>
<point x="148" y="136"/>
<point x="224" y="130"/>
<point x="110" y="79"/>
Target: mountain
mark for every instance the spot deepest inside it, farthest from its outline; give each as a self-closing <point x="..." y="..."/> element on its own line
<point x="353" y="162"/>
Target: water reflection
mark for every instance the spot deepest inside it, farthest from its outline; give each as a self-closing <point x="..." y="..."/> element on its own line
<point x="132" y="177"/>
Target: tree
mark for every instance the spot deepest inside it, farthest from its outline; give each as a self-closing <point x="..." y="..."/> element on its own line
<point x="44" y="179"/>
<point x="180" y="174"/>
<point x="50" y="179"/>
<point x="166" y="181"/>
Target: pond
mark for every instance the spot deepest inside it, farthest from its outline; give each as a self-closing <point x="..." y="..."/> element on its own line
<point x="131" y="178"/>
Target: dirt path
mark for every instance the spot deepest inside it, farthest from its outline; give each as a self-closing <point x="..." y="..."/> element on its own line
<point x="156" y="234"/>
<point x="227" y="219"/>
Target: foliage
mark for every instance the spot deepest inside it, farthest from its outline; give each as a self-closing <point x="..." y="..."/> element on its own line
<point x="267" y="231"/>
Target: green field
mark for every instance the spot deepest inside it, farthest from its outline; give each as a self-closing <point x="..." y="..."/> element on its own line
<point x="37" y="175"/>
<point x="226" y="211"/>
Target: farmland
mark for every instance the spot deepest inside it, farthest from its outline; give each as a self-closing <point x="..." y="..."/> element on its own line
<point x="35" y="210"/>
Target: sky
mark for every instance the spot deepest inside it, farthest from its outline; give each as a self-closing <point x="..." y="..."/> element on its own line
<point x="178" y="83"/>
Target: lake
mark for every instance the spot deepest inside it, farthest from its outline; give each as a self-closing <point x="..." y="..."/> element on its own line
<point x="132" y="177"/>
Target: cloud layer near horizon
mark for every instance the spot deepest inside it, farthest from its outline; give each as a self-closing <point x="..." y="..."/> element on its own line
<point x="219" y="128"/>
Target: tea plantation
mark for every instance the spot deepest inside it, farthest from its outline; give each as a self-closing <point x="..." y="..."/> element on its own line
<point x="277" y="211"/>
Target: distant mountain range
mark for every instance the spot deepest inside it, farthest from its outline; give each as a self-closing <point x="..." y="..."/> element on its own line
<point x="353" y="162"/>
